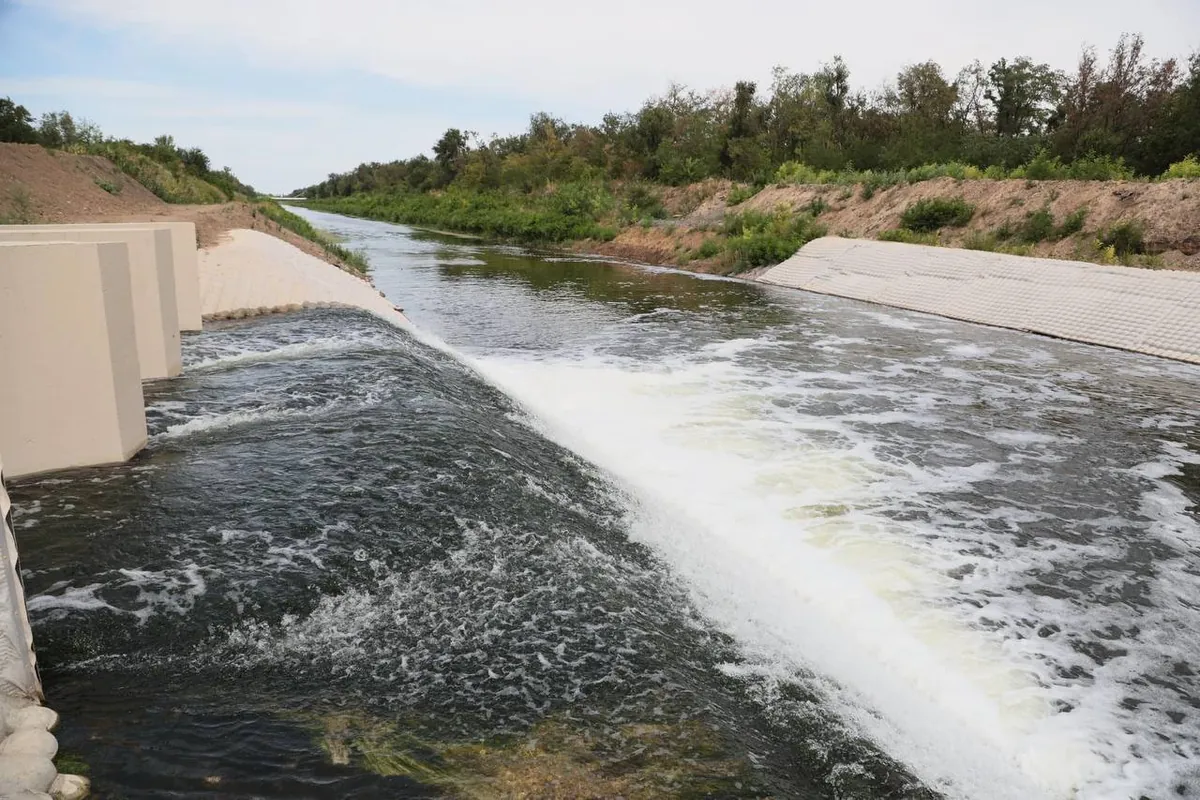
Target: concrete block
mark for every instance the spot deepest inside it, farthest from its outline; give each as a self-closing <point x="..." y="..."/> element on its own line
<point x="1148" y="311"/>
<point x="152" y="276"/>
<point x="183" y="257"/>
<point x="25" y="774"/>
<point x="70" y="388"/>
<point x="19" y="666"/>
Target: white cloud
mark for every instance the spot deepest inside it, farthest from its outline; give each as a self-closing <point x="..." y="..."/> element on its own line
<point x="614" y="53"/>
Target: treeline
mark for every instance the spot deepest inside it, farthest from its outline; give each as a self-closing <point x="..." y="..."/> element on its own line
<point x="1129" y="116"/>
<point x="176" y="174"/>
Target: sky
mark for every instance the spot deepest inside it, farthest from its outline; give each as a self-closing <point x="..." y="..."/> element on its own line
<point x="286" y="91"/>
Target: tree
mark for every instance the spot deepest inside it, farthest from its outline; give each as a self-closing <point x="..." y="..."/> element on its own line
<point x="16" y="123"/>
<point x="195" y="161"/>
<point x="450" y="153"/>
<point x="1023" y="94"/>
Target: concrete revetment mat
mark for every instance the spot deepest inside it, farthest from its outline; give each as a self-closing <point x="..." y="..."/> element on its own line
<point x="152" y="276"/>
<point x="1156" y="312"/>
<point x="70" y="388"/>
<point x="253" y="273"/>
<point x="183" y="256"/>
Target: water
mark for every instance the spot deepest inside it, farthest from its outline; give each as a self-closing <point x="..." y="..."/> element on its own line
<point x="652" y="534"/>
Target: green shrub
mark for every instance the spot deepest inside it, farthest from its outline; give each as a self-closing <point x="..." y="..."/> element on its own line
<point x="1005" y="231"/>
<point x="817" y="206"/>
<point x="108" y="186"/>
<point x="1125" y="238"/>
<point x="757" y="239"/>
<point x="1098" y="168"/>
<point x="20" y="208"/>
<point x="977" y="240"/>
<point x="301" y="227"/>
<point x="868" y="191"/>
<point x="708" y="249"/>
<point x="934" y="213"/>
<point x="173" y="186"/>
<point x="1073" y="224"/>
<point x="1038" y="226"/>
<point x="908" y="237"/>
<point x="740" y="194"/>
<point x="1189" y="169"/>
<point x="584" y="198"/>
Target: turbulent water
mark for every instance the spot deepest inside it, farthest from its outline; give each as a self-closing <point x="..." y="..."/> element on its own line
<point x="661" y="535"/>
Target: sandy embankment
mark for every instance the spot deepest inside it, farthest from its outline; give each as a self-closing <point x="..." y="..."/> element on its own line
<point x="250" y="273"/>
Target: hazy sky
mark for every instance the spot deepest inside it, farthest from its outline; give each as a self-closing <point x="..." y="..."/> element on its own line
<point x="286" y="91"/>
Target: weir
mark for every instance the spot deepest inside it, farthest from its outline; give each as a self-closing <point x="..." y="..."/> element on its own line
<point x="1140" y="310"/>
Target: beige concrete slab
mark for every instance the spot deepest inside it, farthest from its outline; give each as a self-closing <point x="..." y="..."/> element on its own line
<point x="70" y="384"/>
<point x="152" y="274"/>
<point x="18" y="664"/>
<point x="183" y="257"/>
<point x="255" y="273"/>
<point x="1147" y="311"/>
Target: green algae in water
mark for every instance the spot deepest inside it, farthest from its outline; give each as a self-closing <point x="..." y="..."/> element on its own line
<point x="556" y="758"/>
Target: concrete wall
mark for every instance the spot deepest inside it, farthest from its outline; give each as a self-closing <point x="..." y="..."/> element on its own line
<point x="183" y="252"/>
<point x="70" y="388"/>
<point x="1146" y="311"/>
<point x="152" y="273"/>
<point x="18" y="669"/>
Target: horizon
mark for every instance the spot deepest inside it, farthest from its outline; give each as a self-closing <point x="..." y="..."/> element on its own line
<point x="295" y="93"/>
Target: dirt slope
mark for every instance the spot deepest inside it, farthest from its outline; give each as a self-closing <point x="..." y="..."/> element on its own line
<point x="1169" y="210"/>
<point x="40" y="185"/>
<point x="47" y="186"/>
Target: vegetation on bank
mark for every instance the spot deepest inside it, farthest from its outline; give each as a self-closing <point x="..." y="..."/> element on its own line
<point x="353" y="259"/>
<point x="173" y="173"/>
<point x="1132" y="118"/>
<point x="1016" y="118"/>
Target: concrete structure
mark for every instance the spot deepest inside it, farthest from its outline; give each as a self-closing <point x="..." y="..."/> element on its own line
<point x="70" y="388"/>
<point x="1147" y="311"/>
<point x="183" y="257"/>
<point x="152" y="276"/>
<point x="26" y="744"/>
<point x="254" y="273"/>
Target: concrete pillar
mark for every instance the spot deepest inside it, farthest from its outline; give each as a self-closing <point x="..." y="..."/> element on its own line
<point x="183" y="257"/>
<point x="152" y="275"/>
<point x="70" y="388"/>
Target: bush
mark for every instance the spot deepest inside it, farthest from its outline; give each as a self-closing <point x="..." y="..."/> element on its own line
<point x="1073" y="224"/>
<point x="1125" y="238"/>
<point x="817" y="206"/>
<point x="589" y="199"/>
<point x="1038" y="226"/>
<point x="908" y="237"/>
<point x="172" y="186"/>
<point x="934" y="213"/>
<point x="1189" y="169"/>
<point x="757" y="239"/>
<point x="977" y="240"/>
<point x="740" y="194"/>
<point x="301" y="227"/>
<point x="1098" y="168"/>
<point x="708" y="249"/>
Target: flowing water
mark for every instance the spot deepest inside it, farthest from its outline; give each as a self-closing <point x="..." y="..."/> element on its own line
<point x="635" y="532"/>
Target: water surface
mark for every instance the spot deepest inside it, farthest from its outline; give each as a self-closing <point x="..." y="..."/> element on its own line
<point x="692" y="537"/>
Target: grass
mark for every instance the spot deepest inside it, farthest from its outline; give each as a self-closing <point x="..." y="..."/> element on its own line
<point x="20" y="208"/>
<point x="571" y="212"/>
<point x="1188" y="169"/>
<point x="709" y="248"/>
<point x="755" y="239"/>
<point x="1126" y="238"/>
<point x="109" y="186"/>
<point x="171" y="185"/>
<point x="1041" y="168"/>
<point x="353" y="259"/>
<point x="906" y="236"/>
<point x="935" y="213"/>
<point x="740" y="194"/>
